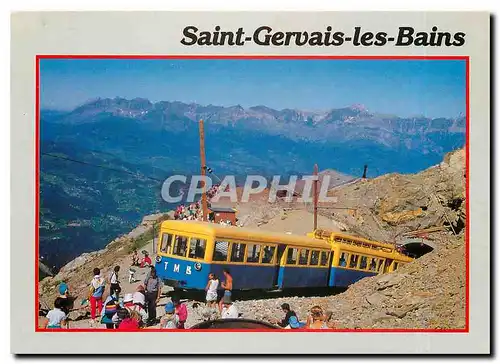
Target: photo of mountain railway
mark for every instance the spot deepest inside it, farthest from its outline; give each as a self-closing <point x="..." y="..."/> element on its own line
<point x="365" y="160"/>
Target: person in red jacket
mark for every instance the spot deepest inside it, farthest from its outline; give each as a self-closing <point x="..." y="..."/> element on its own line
<point x="146" y="261"/>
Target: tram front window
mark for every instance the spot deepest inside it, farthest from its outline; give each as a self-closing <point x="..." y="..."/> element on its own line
<point x="197" y="248"/>
<point x="166" y="242"/>
<point x="180" y="246"/>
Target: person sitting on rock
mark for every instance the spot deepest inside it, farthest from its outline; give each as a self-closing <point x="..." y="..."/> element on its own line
<point x="316" y="319"/>
<point x="56" y="318"/>
<point x="128" y="323"/>
<point x="170" y="320"/>
<point x="329" y="320"/>
<point x="290" y="321"/>
<point x="135" y="258"/>
<point x="229" y="310"/>
<point x="181" y="311"/>
<point x="146" y="261"/>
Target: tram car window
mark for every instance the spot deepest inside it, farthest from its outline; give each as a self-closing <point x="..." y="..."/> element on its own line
<point x="268" y="254"/>
<point x="303" y="256"/>
<point x="314" y="257"/>
<point x="380" y="265"/>
<point x="220" y="251"/>
<point x="197" y="248"/>
<point x="354" y="261"/>
<point x="324" y="258"/>
<point x="291" y="257"/>
<point x="373" y="264"/>
<point x="395" y="265"/>
<point x="180" y="246"/>
<point x="238" y="252"/>
<point x="166" y="242"/>
<point x="253" y="253"/>
<point x="363" y="263"/>
<point x="343" y="259"/>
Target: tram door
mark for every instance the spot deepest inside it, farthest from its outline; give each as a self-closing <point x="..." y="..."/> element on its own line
<point x="387" y="265"/>
<point x="279" y="254"/>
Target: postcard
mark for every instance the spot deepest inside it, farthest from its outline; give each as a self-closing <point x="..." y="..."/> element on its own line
<point x="250" y="183"/>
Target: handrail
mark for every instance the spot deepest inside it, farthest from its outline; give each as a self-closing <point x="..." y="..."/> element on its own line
<point x="334" y="237"/>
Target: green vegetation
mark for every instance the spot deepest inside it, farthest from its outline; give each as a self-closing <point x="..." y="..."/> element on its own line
<point x="143" y="240"/>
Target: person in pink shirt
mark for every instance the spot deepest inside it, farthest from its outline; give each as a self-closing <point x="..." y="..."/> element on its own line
<point x="146" y="261"/>
<point x="181" y="311"/>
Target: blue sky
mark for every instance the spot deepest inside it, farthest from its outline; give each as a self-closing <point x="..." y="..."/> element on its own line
<point x="433" y="88"/>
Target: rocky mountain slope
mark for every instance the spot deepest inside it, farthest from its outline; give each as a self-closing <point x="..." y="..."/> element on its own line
<point x="387" y="207"/>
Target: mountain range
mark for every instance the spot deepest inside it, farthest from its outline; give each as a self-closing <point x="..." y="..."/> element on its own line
<point x="158" y="139"/>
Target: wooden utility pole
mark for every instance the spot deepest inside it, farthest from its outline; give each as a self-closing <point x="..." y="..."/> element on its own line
<point x="203" y="172"/>
<point x="315" y="196"/>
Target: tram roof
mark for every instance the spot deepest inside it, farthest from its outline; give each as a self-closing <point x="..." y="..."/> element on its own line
<point x="233" y="232"/>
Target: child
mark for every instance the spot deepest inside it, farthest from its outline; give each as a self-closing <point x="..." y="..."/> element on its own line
<point x="67" y="301"/>
<point x="181" y="312"/>
<point x="131" y="275"/>
<point x="211" y="288"/>
<point x="114" y="282"/>
<point x="97" y="286"/>
<point x="135" y="258"/>
<point x="111" y="305"/>
<point x="171" y="319"/>
<point x="56" y="317"/>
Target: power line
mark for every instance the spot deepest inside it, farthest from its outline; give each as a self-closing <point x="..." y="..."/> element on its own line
<point x="101" y="166"/>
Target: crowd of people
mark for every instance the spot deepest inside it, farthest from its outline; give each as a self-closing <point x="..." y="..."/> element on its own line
<point x="193" y="211"/>
<point x="138" y="309"/>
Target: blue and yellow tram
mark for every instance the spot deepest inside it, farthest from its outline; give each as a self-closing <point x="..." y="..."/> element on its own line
<point x="188" y="251"/>
<point x="354" y="258"/>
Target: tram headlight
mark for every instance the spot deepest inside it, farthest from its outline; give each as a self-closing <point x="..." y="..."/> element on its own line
<point x="158" y="259"/>
<point x="197" y="266"/>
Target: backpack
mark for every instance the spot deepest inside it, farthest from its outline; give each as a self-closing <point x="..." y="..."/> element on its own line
<point x="111" y="308"/>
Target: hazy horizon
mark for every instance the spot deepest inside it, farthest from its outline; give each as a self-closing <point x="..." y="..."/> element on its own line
<point x="407" y="88"/>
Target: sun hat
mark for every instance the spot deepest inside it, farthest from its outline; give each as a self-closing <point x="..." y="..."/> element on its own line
<point x="138" y="297"/>
<point x="129" y="297"/>
<point x="63" y="287"/>
<point x="169" y="308"/>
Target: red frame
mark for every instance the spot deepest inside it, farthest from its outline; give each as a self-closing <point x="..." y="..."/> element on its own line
<point x="306" y="57"/>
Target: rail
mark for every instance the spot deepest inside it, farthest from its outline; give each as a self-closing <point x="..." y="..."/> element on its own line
<point x="332" y="237"/>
